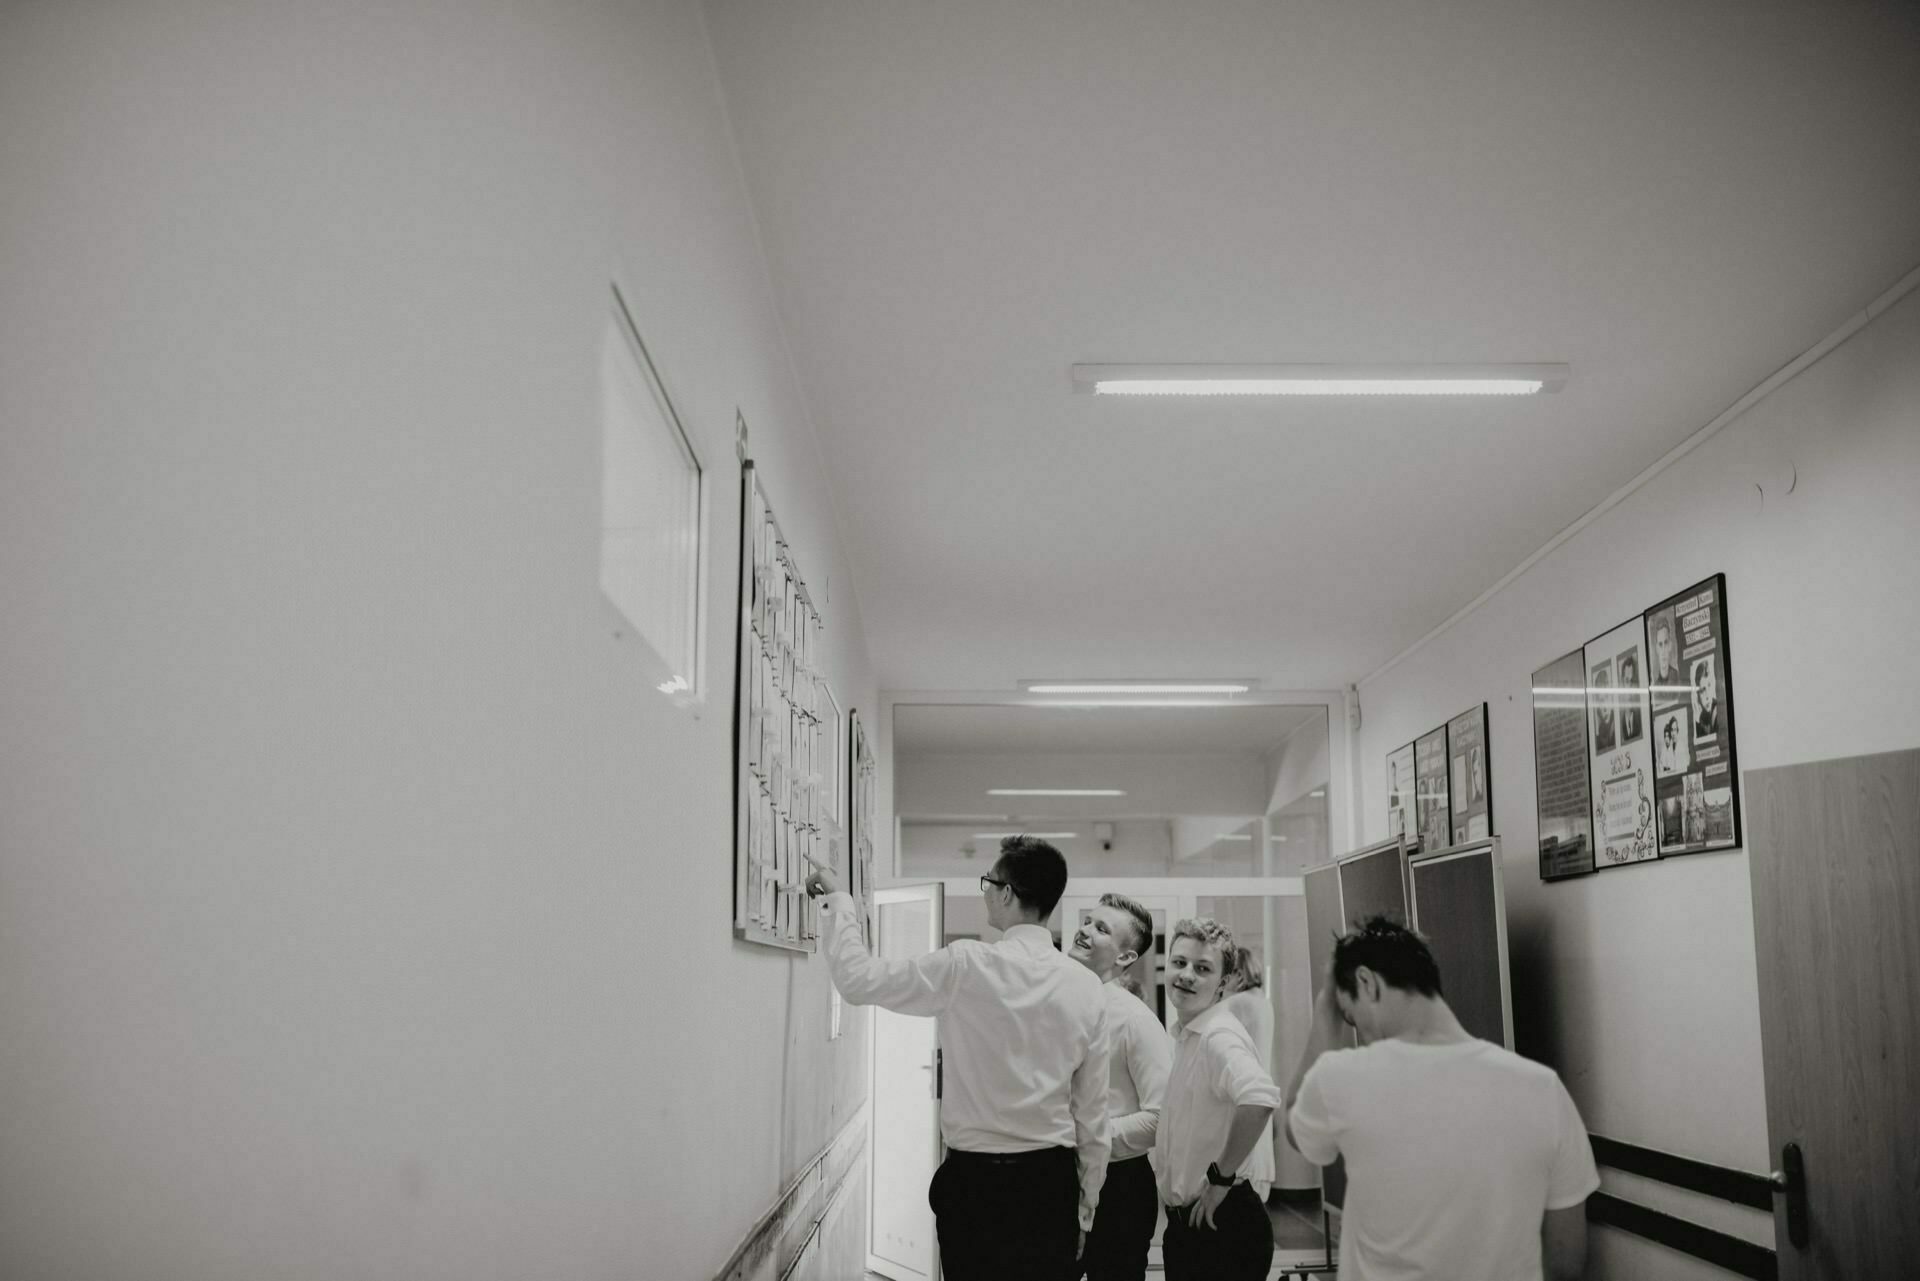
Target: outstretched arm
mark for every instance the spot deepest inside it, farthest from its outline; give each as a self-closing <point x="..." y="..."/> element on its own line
<point x="917" y="985"/>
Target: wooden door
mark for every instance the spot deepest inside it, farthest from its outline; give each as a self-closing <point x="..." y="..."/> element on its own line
<point x="1834" y="848"/>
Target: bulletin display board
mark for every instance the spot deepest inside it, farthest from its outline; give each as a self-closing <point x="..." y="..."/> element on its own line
<point x="1459" y="903"/>
<point x="1371" y="881"/>
<point x="786" y="735"/>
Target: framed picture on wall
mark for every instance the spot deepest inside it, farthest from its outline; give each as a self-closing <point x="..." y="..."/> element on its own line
<point x="1561" y="767"/>
<point x="1401" y="820"/>
<point x="1433" y="811"/>
<point x="1621" y="745"/>
<point x="1470" y="776"/>
<point x="1696" y="772"/>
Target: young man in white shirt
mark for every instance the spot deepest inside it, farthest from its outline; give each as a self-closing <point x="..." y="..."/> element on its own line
<point x="1463" y="1159"/>
<point x="1219" y="1103"/>
<point x="1108" y="943"/>
<point x="1023" y="1032"/>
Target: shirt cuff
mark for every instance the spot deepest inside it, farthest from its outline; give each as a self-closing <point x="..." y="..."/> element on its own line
<point x="838" y="901"/>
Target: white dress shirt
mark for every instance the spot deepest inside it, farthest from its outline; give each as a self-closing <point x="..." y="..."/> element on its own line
<point x="1215" y="1070"/>
<point x="1256" y="1015"/>
<point x="1023" y="1032"/>
<point x="1142" y="1057"/>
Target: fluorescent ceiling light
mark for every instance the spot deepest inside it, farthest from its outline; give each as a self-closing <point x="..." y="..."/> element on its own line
<point x="1316" y="795"/>
<point x="1605" y="691"/>
<point x="1136" y="687"/>
<point x="1233" y="836"/>
<point x="1054" y="791"/>
<point x="1318" y="380"/>
<point x="1041" y="836"/>
<point x="1133" y="702"/>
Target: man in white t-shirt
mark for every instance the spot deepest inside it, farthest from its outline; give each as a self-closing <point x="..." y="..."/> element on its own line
<point x="1463" y="1159"/>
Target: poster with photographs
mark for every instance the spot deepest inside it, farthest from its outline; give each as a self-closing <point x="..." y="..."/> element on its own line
<point x="1621" y="746"/>
<point x="1696" y="779"/>
<point x="1400" y="812"/>
<point x="1433" y="816"/>
<point x="1472" y="787"/>
<point x="1561" y="775"/>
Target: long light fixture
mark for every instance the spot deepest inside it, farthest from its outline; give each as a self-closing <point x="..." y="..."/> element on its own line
<point x="1136" y="687"/>
<point x="1054" y="791"/>
<point x="1319" y="380"/>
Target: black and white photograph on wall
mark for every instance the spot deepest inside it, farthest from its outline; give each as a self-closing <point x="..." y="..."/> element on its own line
<point x="1672" y="736"/>
<point x="1562" y="782"/>
<point x="1605" y="736"/>
<point x="1627" y="676"/>
<point x="1701" y="771"/>
<point x="1472" y="793"/>
<point x="1623" y="780"/>
<point x="1433" y="812"/>
<point x="1669" y="674"/>
<point x="1400" y="811"/>
<point x="1706" y="699"/>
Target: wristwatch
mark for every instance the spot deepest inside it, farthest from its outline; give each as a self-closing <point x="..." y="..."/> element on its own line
<point x="1218" y="1179"/>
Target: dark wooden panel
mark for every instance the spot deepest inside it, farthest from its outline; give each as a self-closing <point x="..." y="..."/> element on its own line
<point x="1834" y="849"/>
<point x="1456" y="906"/>
<point x="1321" y="888"/>
<point x="1374" y="885"/>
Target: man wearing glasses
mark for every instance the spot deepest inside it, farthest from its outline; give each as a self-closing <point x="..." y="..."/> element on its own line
<point x="1023" y="1030"/>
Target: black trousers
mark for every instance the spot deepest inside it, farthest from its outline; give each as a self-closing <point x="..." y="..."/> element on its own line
<point x="1239" y="1247"/>
<point x="1011" y="1216"/>
<point x="1123" y="1224"/>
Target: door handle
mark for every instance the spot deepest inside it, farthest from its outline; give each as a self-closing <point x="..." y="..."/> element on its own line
<point x="1790" y="1181"/>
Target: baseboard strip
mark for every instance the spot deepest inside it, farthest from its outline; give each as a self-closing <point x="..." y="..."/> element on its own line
<point x="776" y="1242"/>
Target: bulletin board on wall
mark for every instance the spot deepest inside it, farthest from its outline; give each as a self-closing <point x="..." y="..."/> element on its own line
<point x="786" y="733"/>
<point x="1635" y="756"/>
<point x="1458" y="902"/>
<point x="1370" y="881"/>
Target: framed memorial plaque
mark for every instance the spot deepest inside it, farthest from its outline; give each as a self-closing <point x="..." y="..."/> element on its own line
<point x="1471" y="785"/>
<point x="1401" y="820"/>
<point x="1619" y="739"/>
<point x="1696" y="774"/>
<point x="1561" y="773"/>
<point x="1432" y="811"/>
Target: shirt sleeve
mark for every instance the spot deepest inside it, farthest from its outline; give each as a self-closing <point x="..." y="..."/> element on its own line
<point x="1088" y="1102"/>
<point x="1313" y="1122"/>
<point x="1573" y="1177"/>
<point x="1237" y="1076"/>
<point x="918" y="985"/>
<point x="1149" y="1054"/>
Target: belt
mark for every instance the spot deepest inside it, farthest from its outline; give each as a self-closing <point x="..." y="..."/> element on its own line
<point x="1034" y="1157"/>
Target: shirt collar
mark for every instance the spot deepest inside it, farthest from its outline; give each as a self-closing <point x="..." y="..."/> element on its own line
<point x="1034" y="938"/>
<point x="1201" y="1022"/>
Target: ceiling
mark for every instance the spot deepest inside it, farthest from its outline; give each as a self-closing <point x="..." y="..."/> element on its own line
<point x="946" y="729"/>
<point x="959" y="201"/>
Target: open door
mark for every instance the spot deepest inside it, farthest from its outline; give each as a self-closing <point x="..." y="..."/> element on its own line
<point x="903" y="1140"/>
<point x="1834" y="853"/>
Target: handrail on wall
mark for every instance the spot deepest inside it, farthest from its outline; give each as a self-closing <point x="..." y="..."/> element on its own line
<point x="1741" y="1187"/>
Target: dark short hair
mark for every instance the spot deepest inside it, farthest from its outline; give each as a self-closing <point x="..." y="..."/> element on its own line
<point x="1400" y="957"/>
<point x="1142" y="919"/>
<point x="1035" y="870"/>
